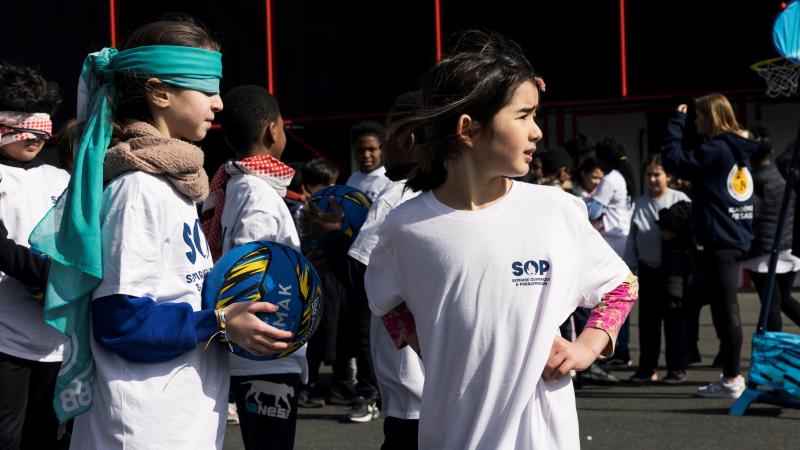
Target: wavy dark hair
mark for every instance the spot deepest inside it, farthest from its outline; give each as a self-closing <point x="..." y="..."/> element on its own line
<point x="173" y="29"/>
<point x="611" y="155"/>
<point x="23" y="89"/>
<point x="477" y="76"/>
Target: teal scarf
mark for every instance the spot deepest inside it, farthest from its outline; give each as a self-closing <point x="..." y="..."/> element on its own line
<point x="70" y="232"/>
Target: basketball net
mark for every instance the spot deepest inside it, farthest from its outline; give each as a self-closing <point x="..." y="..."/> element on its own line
<point x="780" y="74"/>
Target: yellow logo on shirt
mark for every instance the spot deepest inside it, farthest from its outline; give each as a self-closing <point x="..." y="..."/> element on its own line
<point x="739" y="183"/>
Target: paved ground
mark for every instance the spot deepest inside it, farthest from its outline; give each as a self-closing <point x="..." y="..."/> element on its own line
<point x="620" y="417"/>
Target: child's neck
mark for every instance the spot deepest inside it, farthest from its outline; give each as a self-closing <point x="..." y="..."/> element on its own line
<point x="469" y="188"/>
<point x="259" y="150"/>
<point x="660" y="195"/>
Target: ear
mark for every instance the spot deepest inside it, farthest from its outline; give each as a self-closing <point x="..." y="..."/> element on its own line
<point x="466" y="127"/>
<point x="156" y="95"/>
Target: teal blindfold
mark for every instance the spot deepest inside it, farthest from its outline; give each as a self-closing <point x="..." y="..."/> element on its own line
<point x="185" y="67"/>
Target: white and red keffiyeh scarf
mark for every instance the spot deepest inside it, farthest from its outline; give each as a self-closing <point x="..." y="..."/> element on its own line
<point x="270" y="169"/>
<point x="19" y="126"/>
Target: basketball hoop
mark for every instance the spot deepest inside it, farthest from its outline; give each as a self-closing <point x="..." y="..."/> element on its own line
<point x="780" y="74"/>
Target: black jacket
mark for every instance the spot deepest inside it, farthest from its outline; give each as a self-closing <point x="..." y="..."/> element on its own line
<point x="769" y="189"/>
<point x="722" y="203"/>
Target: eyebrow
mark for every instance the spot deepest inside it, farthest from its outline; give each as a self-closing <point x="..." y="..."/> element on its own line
<point x="528" y="110"/>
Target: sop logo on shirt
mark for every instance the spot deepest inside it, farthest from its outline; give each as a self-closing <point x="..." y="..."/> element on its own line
<point x="531" y="272"/>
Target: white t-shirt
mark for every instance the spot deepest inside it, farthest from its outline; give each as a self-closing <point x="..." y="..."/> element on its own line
<point x="255" y="212"/>
<point x="153" y="246"/>
<point x="400" y="372"/>
<point x="644" y="240"/>
<point x="371" y="184"/>
<point x="488" y="290"/>
<point x="613" y="194"/>
<point x="25" y="197"/>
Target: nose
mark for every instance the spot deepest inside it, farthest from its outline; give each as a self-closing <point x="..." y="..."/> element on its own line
<point x="535" y="133"/>
<point x="216" y="103"/>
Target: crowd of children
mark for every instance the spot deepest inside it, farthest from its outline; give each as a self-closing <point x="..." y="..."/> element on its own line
<point x="488" y="271"/>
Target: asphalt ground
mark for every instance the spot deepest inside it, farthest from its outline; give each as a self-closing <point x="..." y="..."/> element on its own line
<point x="625" y="416"/>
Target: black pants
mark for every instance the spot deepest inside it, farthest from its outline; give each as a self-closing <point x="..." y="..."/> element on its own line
<point x="656" y="305"/>
<point x="356" y="327"/>
<point x="400" y="434"/>
<point x="27" y="418"/>
<point x="267" y="406"/>
<point x="721" y="273"/>
<point x="782" y="299"/>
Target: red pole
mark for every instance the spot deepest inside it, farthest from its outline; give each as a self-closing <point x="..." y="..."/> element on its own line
<point x="623" y="53"/>
<point x="270" y="71"/>
<point x="438" y="8"/>
<point x="112" y="15"/>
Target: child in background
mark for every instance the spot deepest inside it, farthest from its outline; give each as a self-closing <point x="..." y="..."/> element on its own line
<point x="30" y="350"/>
<point x="487" y="315"/>
<point x="368" y="139"/>
<point x="246" y="204"/>
<point x="643" y="253"/>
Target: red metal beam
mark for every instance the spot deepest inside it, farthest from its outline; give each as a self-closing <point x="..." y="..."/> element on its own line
<point x="112" y="18"/>
<point x="438" y="9"/>
<point x="270" y="60"/>
<point x="623" y="60"/>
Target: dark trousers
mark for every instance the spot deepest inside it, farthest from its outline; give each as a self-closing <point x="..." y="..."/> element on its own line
<point x="27" y="418"/>
<point x="400" y="434"/>
<point x="782" y="299"/>
<point x="721" y="274"/>
<point x="656" y="305"/>
<point x="267" y="406"/>
<point x="357" y="326"/>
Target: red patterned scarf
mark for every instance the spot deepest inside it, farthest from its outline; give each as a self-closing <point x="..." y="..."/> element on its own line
<point x="270" y="169"/>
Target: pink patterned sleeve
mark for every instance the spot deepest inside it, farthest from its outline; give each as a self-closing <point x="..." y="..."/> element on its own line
<point x="399" y="322"/>
<point x="613" y="309"/>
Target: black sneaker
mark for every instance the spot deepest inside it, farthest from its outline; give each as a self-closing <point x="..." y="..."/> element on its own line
<point x="363" y="411"/>
<point x="615" y="363"/>
<point x="341" y="397"/>
<point x="596" y="375"/>
<point x="643" y="377"/>
<point x="307" y="400"/>
<point x="675" y="377"/>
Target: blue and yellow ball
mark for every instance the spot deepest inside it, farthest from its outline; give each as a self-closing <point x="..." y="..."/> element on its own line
<point x="265" y="271"/>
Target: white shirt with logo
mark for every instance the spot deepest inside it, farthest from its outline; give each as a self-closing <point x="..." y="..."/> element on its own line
<point x="613" y="194"/>
<point x="25" y="197"/>
<point x="400" y="373"/>
<point x="488" y="290"/>
<point x="371" y="183"/>
<point x="254" y="212"/>
<point x="153" y="246"/>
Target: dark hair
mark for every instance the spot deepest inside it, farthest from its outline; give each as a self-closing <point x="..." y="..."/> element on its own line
<point x="23" y="89"/>
<point x="404" y="106"/>
<point x="612" y="156"/>
<point x="318" y="171"/>
<point x="477" y="76"/>
<point x="247" y="110"/>
<point x="368" y="129"/>
<point x="65" y="144"/>
<point x="653" y="158"/>
<point x="579" y="147"/>
<point x="553" y="160"/>
<point x="174" y="29"/>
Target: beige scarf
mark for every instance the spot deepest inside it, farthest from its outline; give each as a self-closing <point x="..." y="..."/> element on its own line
<point x="144" y="148"/>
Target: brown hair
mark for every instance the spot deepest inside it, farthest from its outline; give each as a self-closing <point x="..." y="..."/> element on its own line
<point x="720" y="114"/>
<point x="180" y="30"/>
<point x="477" y="77"/>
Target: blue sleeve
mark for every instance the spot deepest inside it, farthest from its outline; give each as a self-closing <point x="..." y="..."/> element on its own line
<point x="677" y="161"/>
<point x="141" y="330"/>
<point x="594" y="208"/>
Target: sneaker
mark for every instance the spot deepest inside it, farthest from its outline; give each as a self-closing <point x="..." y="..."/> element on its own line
<point x="675" y="377"/>
<point x="341" y="397"/>
<point x="364" y="411"/>
<point x="644" y="377"/>
<point x="233" y="415"/>
<point x="596" y="375"/>
<point x="305" y="399"/>
<point x="614" y="363"/>
<point x="720" y="389"/>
